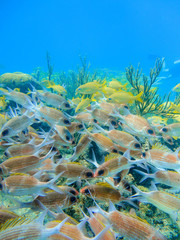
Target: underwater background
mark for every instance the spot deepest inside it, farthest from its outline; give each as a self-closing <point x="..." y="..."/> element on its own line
<point x="89" y="119"/>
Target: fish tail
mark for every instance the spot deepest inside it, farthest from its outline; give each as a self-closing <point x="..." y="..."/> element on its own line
<point x="145" y="175"/>
<point x="138" y="97"/>
<point x="51" y="184"/>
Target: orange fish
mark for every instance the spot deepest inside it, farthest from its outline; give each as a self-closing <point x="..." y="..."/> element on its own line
<point x="74" y="170"/>
<point x="103" y="192"/>
<point x="23" y="184"/>
<point x="130" y="226"/>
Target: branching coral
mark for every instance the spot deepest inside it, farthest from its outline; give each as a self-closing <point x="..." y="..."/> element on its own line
<point x="49" y="65"/>
<point x="152" y="102"/>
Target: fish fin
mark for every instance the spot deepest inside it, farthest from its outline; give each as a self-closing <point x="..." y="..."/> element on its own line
<point x="104" y="184"/>
<point x="51" y="185"/>
<point x="111" y="207"/>
<point x="153" y="187"/>
<point x="93" y="161"/>
<point x="15" y="222"/>
<point x="176" y="152"/>
<point x="138" y="97"/>
<point x="70" y="181"/>
<point x="145" y="175"/>
<point x="101" y="234"/>
<point x="159" y="146"/>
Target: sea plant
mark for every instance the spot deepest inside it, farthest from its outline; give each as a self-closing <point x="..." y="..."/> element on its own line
<point x="152" y="103"/>
<point x="49" y="65"/>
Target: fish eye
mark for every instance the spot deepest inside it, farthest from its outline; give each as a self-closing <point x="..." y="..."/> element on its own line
<point x="164" y="129"/>
<point x="73" y="142"/>
<point x="137" y="145"/>
<point x="67" y="105"/>
<point x="66" y="121"/>
<point x="87" y="191"/>
<point x="150" y="131"/>
<point x="67" y="138"/>
<point x="109" y="98"/>
<point x="113" y="122"/>
<point x="126" y="107"/>
<point x="169" y="140"/>
<point x="73" y="199"/>
<point x="100" y="172"/>
<point x="73" y="192"/>
<point x="144" y="154"/>
<point x="54" y="149"/>
<point x="5" y="132"/>
<point x="1" y="186"/>
<point x="114" y="151"/>
<point x="5" y="154"/>
<point x="117" y="179"/>
<point x="120" y="123"/>
<point x="25" y="131"/>
<point x="89" y="174"/>
<point x="127" y="186"/>
<point x="80" y="126"/>
<point x="59" y="156"/>
<point x="94" y="120"/>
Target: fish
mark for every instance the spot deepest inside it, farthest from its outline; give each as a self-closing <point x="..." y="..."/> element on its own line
<point x="6" y="214"/>
<point x="56" y="87"/>
<point x="107" y="91"/>
<point x="104" y="118"/>
<point x="103" y="142"/>
<point x="129" y="225"/>
<point x="172" y="130"/>
<point x="97" y="225"/>
<point x="81" y="147"/>
<point x="54" y="100"/>
<point x="64" y="133"/>
<point x="169" y="178"/>
<point x="162" y="158"/>
<point x="115" y="84"/>
<point x="74" y="170"/>
<point x="85" y="118"/>
<point x="115" y="165"/>
<point x="125" y="97"/>
<point x="83" y="104"/>
<point x="22" y="164"/>
<point x="53" y="116"/>
<point x="103" y="192"/>
<point x="136" y="125"/>
<point x="16" y="125"/>
<point x="24" y="228"/>
<point x="90" y="87"/>
<point x="52" y="199"/>
<point x="74" y="232"/>
<point x="26" y="148"/>
<point x="74" y="127"/>
<point x="164" y="201"/>
<point x="23" y="184"/>
<point x="3" y="103"/>
<point x="122" y="138"/>
<point x="18" y="97"/>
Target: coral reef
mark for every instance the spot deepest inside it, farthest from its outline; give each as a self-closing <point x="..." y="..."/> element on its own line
<point x="152" y="102"/>
<point x="19" y="80"/>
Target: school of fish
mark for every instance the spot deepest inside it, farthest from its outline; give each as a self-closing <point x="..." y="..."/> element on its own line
<point x="104" y="141"/>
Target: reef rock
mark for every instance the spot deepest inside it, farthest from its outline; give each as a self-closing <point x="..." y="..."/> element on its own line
<point x="19" y="80"/>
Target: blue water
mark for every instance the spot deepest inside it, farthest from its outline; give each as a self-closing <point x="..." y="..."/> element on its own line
<point x="111" y="33"/>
